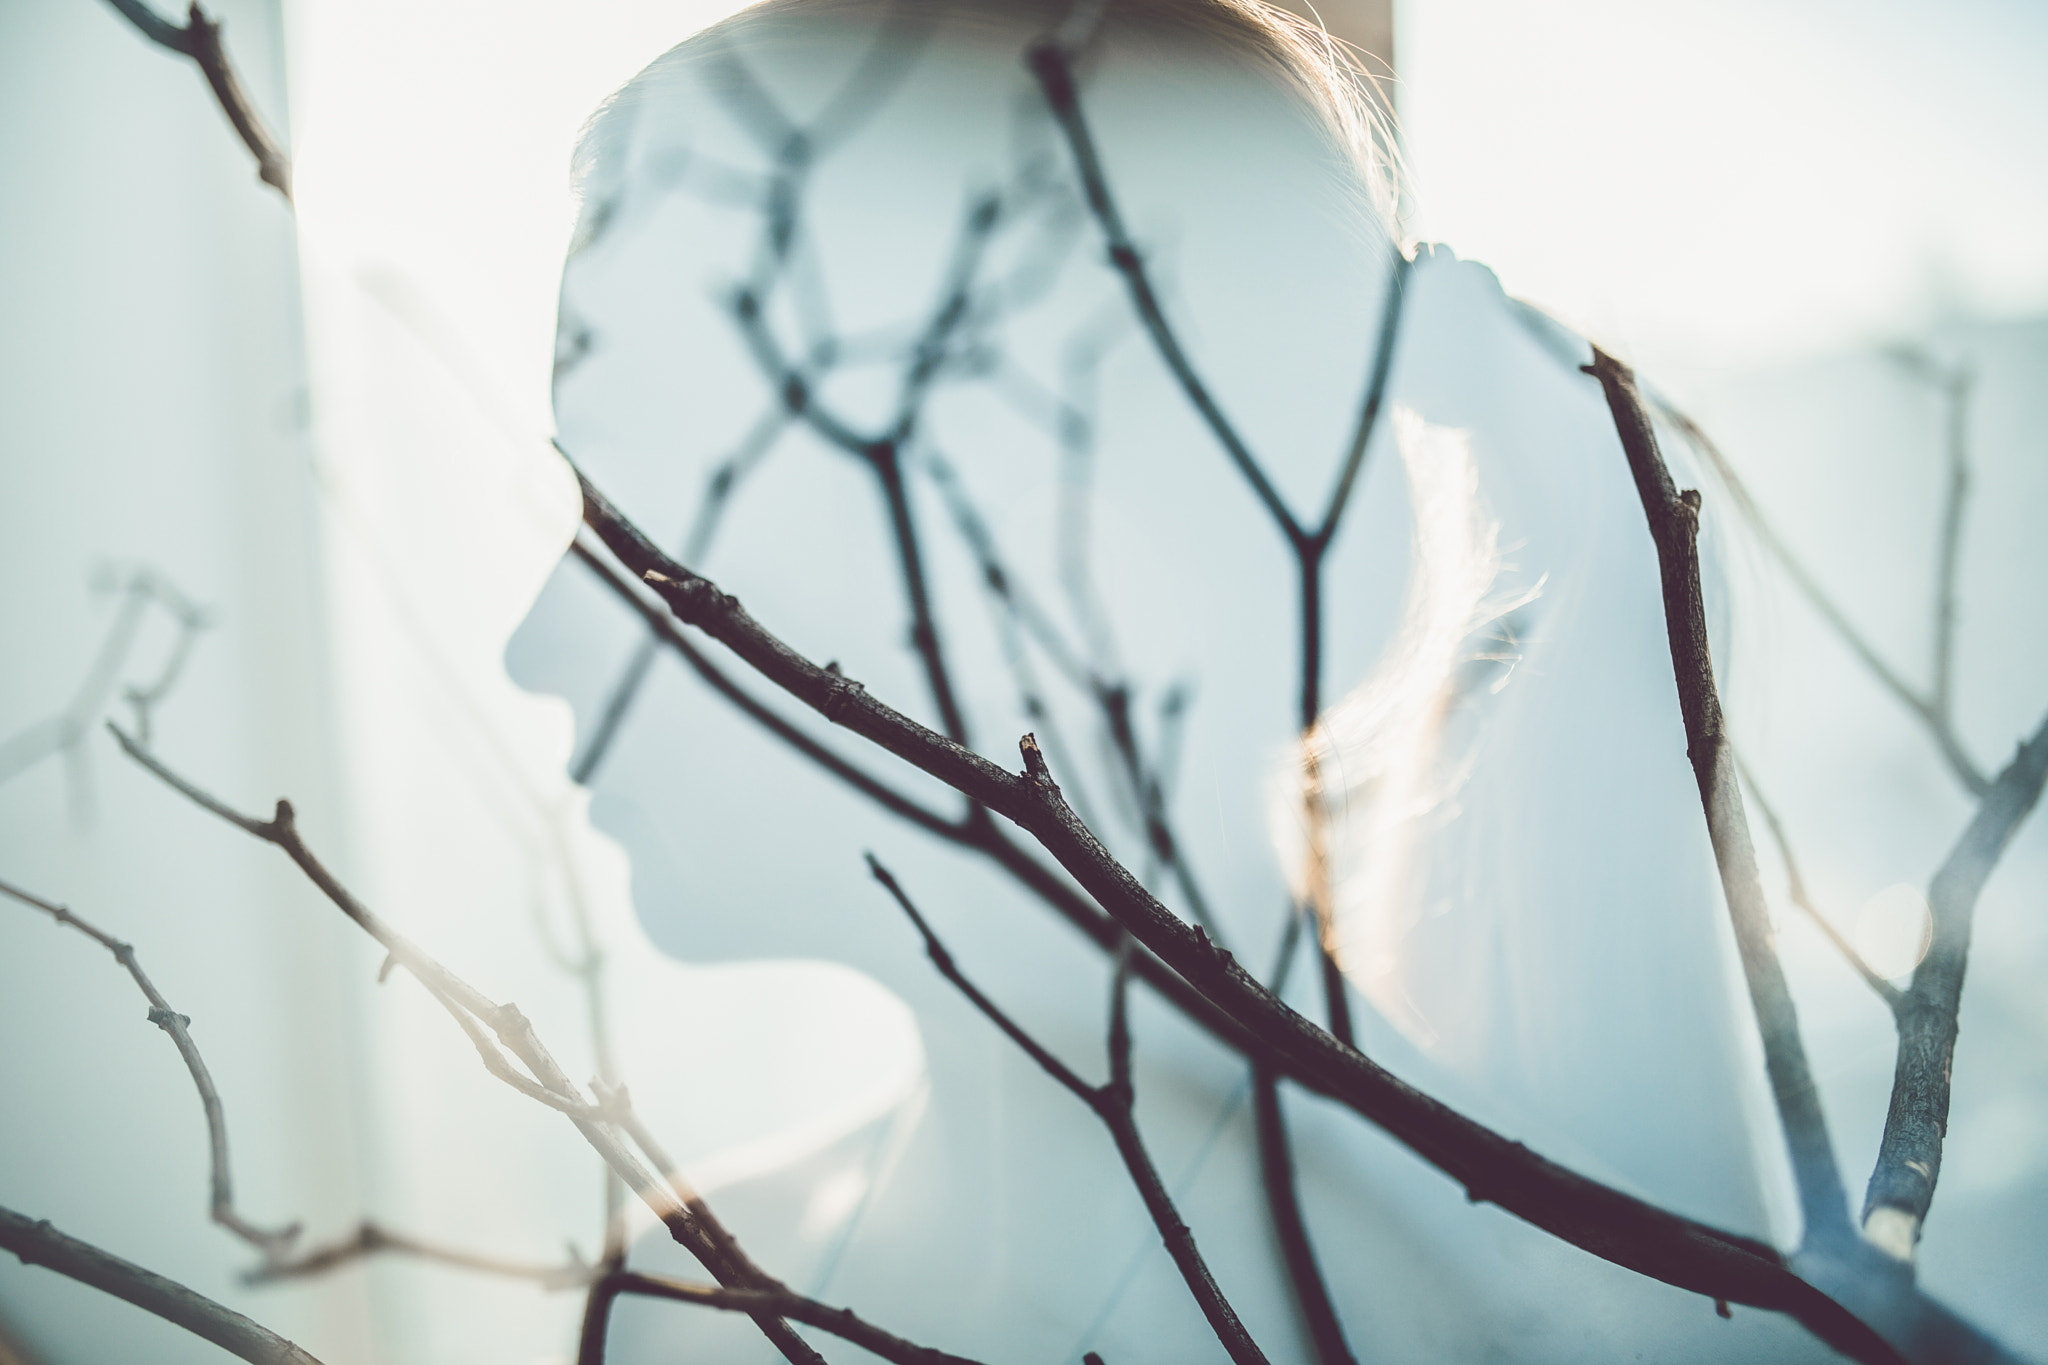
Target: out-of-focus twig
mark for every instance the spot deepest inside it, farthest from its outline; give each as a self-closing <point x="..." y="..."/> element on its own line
<point x="1795" y="890"/>
<point x="371" y="1238"/>
<point x="1930" y="710"/>
<point x="141" y="589"/>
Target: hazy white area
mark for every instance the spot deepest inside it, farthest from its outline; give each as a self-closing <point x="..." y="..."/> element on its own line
<point x="1705" y="186"/>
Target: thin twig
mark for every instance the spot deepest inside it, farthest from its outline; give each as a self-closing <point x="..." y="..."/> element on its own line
<point x="271" y="1242"/>
<point x="199" y="39"/>
<point x="1955" y="387"/>
<point x="840" y="1322"/>
<point x="1283" y="1203"/>
<point x="1939" y="726"/>
<point x="1114" y="1104"/>
<point x="371" y="1238"/>
<point x="1796" y="892"/>
<point x="35" y="1242"/>
<point x="1909" y="1155"/>
<point x="1674" y="525"/>
<point x="1049" y="62"/>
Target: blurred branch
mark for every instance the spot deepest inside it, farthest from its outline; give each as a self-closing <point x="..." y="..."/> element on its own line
<point x="1956" y="389"/>
<point x="1114" y="1103"/>
<point x="1604" y="1221"/>
<point x="1795" y="890"/>
<point x="37" y="1243"/>
<point x="270" y="1243"/>
<point x="1674" y="526"/>
<point x="371" y="1238"/>
<point x="63" y="732"/>
<point x="1931" y="711"/>
<point x="1050" y="63"/>
<point x="1909" y="1156"/>
<point x="199" y="39"/>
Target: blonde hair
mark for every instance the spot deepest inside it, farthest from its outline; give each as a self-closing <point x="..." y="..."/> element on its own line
<point x="1323" y="77"/>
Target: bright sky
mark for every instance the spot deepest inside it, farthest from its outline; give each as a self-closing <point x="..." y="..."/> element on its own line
<point x="1735" y="183"/>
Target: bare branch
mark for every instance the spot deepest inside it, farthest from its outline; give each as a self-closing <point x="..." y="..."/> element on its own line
<point x="1605" y="1221"/>
<point x="943" y="960"/>
<point x="1049" y="62"/>
<point x="1114" y="1104"/>
<point x="271" y="1242"/>
<point x="37" y="1243"/>
<point x="1371" y="403"/>
<point x="1674" y="526"/>
<point x="1909" y="1156"/>
<point x="63" y="732"/>
<point x="1795" y="890"/>
<point x="199" y="39"/>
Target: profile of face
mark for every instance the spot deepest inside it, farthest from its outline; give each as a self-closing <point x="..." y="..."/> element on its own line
<point x="843" y="328"/>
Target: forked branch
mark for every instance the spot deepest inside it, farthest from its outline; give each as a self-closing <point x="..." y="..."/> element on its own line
<point x="1113" y="1103"/>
